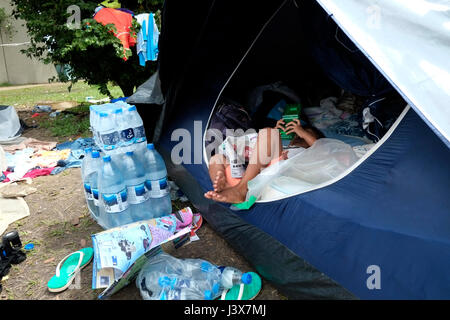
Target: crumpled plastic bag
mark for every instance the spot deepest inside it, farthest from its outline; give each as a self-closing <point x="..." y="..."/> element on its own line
<point x="324" y="160"/>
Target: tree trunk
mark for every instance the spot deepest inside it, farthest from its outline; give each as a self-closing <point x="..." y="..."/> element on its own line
<point x="127" y="89"/>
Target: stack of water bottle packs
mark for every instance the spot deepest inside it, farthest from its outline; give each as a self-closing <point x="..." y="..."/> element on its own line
<point x="125" y="180"/>
<point x="165" y="277"/>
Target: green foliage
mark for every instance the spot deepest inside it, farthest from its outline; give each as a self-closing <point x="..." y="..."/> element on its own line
<point x="66" y="125"/>
<point x="6" y="23"/>
<point x="93" y="53"/>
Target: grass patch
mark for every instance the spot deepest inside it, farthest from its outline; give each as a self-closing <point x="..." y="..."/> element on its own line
<point x="55" y="93"/>
<point x="67" y="124"/>
<point x="81" y="110"/>
<point x="71" y="122"/>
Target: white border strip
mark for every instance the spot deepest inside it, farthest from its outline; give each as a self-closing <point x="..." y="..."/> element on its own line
<point x="356" y="165"/>
<point x="232" y="75"/>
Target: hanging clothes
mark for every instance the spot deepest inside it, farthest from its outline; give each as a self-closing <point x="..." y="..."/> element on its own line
<point x="147" y="39"/>
<point x="122" y="21"/>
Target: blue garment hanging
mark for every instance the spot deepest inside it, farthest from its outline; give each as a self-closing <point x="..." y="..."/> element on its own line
<point x="147" y="40"/>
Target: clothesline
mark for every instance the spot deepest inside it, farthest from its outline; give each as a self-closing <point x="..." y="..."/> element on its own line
<point x="14" y="44"/>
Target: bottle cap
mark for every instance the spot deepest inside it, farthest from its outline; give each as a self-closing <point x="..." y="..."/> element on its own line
<point x="87" y="150"/>
<point x="95" y="154"/>
<point x="103" y="114"/>
<point x="129" y="153"/>
<point x="246" y="278"/>
<point x="107" y="158"/>
<point x="208" y="295"/>
<point x="132" y="108"/>
<point x="118" y="110"/>
<point x="150" y="146"/>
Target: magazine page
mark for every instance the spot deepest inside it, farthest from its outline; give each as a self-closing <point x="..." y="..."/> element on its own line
<point x="116" y="250"/>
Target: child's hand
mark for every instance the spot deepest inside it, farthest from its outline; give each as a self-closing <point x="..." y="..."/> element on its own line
<point x="280" y="125"/>
<point x="295" y="127"/>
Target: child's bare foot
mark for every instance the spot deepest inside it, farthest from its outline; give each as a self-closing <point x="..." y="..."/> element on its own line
<point x="220" y="182"/>
<point x="231" y="195"/>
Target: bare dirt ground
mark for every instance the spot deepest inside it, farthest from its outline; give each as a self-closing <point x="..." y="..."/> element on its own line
<point x="59" y="223"/>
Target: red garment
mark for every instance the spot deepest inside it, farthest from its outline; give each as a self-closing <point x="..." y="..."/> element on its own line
<point x="32" y="173"/>
<point x="122" y="21"/>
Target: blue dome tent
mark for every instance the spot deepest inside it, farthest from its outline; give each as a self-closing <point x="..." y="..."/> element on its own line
<point x="388" y="216"/>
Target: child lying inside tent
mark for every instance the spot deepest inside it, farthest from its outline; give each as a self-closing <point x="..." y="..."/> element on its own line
<point x="260" y="151"/>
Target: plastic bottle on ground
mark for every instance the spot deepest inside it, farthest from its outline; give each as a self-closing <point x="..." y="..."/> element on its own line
<point x="113" y="194"/>
<point x="156" y="182"/>
<point x="232" y="276"/>
<point x="168" y="278"/>
<point x="205" y="275"/>
<point x="138" y="197"/>
<point x="181" y="289"/>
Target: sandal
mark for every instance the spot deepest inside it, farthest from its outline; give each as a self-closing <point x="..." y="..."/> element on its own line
<point x="67" y="271"/>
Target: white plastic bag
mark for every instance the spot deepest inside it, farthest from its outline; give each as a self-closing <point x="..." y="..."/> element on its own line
<point x="9" y="123"/>
<point x="323" y="161"/>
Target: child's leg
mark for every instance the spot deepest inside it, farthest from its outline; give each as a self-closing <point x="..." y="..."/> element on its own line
<point x="217" y="169"/>
<point x="268" y="147"/>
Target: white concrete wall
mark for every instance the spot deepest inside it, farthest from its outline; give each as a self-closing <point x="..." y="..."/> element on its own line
<point x="15" y="67"/>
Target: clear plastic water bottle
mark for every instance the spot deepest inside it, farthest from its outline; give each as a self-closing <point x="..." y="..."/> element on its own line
<point x="86" y="170"/>
<point x="93" y="179"/>
<point x="94" y="119"/>
<point x="126" y="131"/>
<point x="156" y="182"/>
<point x="113" y="194"/>
<point x="168" y="278"/>
<point x="135" y="177"/>
<point x="108" y="134"/>
<point x="134" y="120"/>
<point x="232" y="276"/>
<point x="89" y="172"/>
<point x="181" y="289"/>
<point x="205" y="276"/>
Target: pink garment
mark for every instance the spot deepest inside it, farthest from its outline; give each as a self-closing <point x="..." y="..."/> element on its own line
<point x="32" y="173"/>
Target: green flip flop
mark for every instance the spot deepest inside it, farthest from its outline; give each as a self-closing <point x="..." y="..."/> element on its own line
<point x="67" y="271"/>
<point x="244" y="291"/>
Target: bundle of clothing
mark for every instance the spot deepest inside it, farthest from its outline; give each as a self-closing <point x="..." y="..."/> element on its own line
<point x="110" y="12"/>
<point x="33" y="158"/>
